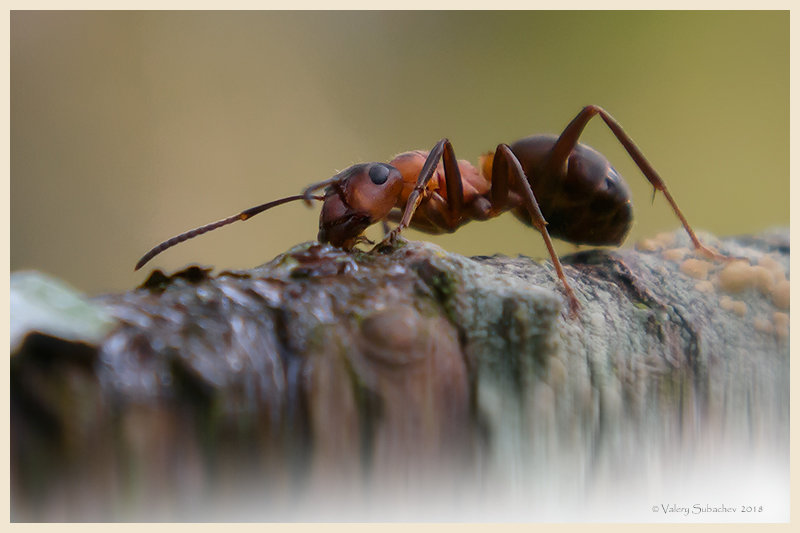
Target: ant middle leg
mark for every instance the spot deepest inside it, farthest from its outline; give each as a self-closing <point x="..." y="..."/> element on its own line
<point x="569" y="138"/>
<point x="507" y="173"/>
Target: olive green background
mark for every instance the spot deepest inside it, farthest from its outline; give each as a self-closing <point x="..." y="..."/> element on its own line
<point x="130" y="127"/>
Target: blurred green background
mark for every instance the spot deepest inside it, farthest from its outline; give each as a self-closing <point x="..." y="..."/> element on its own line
<point x="130" y="127"/>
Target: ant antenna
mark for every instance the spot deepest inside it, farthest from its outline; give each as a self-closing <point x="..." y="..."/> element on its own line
<point x="244" y="215"/>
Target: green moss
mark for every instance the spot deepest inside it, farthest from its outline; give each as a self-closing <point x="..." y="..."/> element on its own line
<point x="443" y="284"/>
<point x="360" y="256"/>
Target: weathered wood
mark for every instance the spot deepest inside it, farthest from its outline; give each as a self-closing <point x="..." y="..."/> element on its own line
<point x="416" y="384"/>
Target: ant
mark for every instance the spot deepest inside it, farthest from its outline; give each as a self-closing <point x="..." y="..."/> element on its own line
<point x="560" y="187"/>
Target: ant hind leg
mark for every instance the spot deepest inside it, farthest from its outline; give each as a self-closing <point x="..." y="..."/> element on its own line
<point x="569" y="138"/>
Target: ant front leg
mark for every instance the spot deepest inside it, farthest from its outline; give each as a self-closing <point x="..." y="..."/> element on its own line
<point x="569" y="138"/>
<point x="506" y="173"/>
<point x="442" y="151"/>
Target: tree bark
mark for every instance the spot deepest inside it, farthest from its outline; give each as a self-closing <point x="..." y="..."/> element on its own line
<point x="415" y="384"/>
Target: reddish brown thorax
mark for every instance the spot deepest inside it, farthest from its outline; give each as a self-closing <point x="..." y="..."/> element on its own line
<point x="410" y="164"/>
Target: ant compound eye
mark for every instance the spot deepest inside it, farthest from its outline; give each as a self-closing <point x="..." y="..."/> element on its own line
<point x="379" y="174"/>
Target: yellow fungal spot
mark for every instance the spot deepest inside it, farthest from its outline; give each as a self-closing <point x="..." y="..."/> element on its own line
<point x="729" y="304"/>
<point x="763" y="278"/>
<point x="763" y="325"/>
<point x="695" y="268"/>
<point x="648" y="245"/>
<point x="780" y="294"/>
<point x="666" y="238"/>
<point x="704" y="286"/>
<point x="769" y="262"/>
<point x="736" y="277"/>
<point x="780" y="319"/>
<point x="674" y="254"/>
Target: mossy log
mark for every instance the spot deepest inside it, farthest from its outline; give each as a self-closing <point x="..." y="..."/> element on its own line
<point x="414" y="384"/>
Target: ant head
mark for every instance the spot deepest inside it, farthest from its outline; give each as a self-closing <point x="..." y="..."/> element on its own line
<point x="360" y="196"/>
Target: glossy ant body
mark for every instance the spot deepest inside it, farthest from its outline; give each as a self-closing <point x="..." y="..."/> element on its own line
<point x="553" y="183"/>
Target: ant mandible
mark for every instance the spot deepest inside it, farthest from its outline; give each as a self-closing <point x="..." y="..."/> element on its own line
<point x="561" y="187"/>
